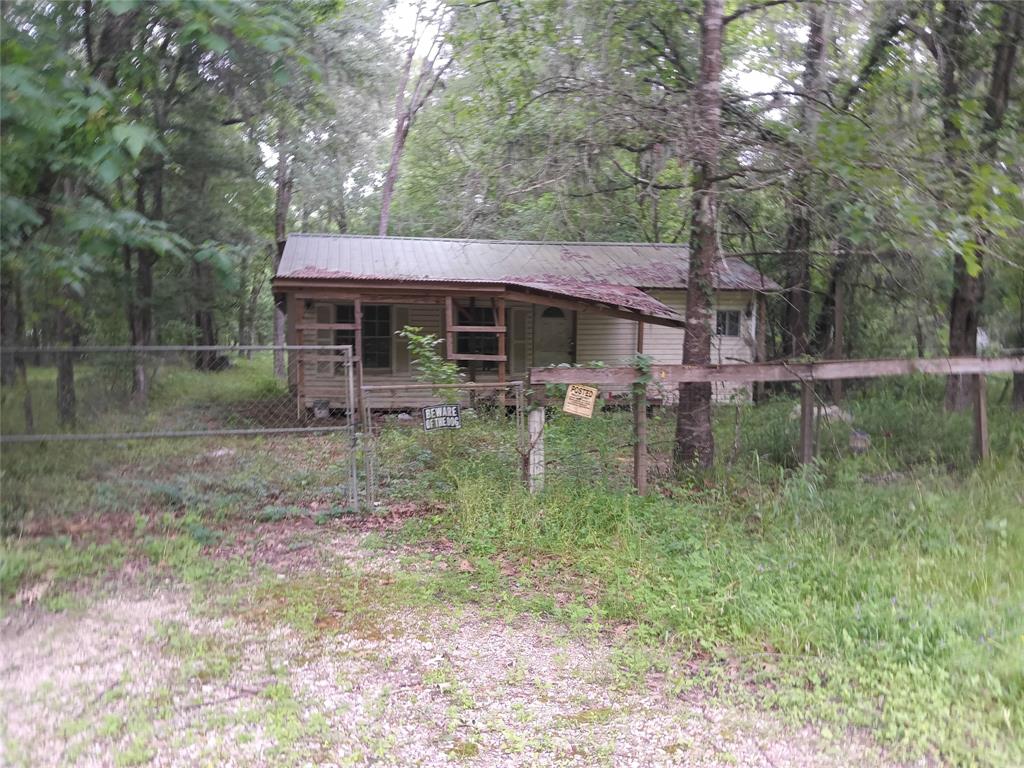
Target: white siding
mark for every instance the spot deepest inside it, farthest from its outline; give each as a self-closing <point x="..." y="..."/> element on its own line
<point x="612" y="340"/>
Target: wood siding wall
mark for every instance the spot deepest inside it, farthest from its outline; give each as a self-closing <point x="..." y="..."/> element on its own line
<point x="320" y="384"/>
<point x="613" y="341"/>
<point x="598" y="338"/>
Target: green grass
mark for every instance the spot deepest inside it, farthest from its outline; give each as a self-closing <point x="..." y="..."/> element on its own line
<point x="883" y="590"/>
<point x="180" y="398"/>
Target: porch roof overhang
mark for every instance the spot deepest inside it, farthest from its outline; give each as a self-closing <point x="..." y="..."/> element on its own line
<point x="623" y="301"/>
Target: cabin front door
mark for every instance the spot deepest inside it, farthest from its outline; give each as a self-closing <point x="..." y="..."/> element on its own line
<point x="552" y="336"/>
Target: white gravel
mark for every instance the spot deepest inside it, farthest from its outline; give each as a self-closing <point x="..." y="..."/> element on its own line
<point x="104" y="686"/>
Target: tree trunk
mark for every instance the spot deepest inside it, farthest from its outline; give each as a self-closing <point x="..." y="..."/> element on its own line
<point x="695" y="444"/>
<point x="798" y="281"/>
<point x="253" y="311"/>
<point x="760" y="343"/>
<point x="140" y="290"/>
<point x="402" y="123"/>
<point x="11" y="325"/>
<point x="1017" y="401"/>
<point x="828" y="328"/>
<point x="969" y="289"/>
<point x="340" y="213"/>
<point x="799" y="230"/>
<point x="283" y="201"/>
<point x="243" y="333"/>
<point x="206" y="335"/>
<point x="963" y="305"/>
<point x="838" y="349"/>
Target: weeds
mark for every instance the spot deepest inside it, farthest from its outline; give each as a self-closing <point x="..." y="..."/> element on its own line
<point x="881" y="590"/>
<point x="877" y="590"/>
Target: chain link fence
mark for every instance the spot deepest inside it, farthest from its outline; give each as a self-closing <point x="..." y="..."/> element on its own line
<point x="410" y="428"/>
<point x="283" y="417"/>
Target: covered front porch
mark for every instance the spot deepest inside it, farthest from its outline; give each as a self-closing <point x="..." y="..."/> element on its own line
<point x="495" y="332"/>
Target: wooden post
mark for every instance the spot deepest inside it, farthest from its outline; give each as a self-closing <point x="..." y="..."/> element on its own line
<point x="640" y="439"/>
<point x="357" y="355"/>
<point x="535" y="428"/>
<point x="806" y="422"/>
<point x="449" y="321"/>
<point x="980" y="418"/>
<point x="640" y="423"/>
<point x="499" y="320"/>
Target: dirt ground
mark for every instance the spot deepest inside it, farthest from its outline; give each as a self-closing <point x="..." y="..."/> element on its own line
<point x="154" y="672"/>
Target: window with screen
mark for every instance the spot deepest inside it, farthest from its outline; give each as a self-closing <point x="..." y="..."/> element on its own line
<point x="477" y="343"/>
<point x="728" y="322"/>
<point x="376" y="332"/>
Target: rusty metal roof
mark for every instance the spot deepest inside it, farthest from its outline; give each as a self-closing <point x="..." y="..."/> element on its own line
<point x="603" y="274"/>
<point x="640" y="265"/>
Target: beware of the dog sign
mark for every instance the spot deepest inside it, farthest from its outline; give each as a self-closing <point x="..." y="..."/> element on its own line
<point x="442" y="417"/>
<point x="579" y="400"/>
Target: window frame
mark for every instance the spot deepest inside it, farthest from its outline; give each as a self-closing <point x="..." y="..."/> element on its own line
<point x="345" y="313"/>
<point x="724" y="321"/>
<point x="477" y="343"/>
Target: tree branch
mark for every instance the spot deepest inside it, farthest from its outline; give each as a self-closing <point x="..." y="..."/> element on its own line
<point x="756" y="7"/>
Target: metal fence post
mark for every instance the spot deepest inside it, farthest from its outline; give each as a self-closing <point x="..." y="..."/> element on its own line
<point x="353" y="461"/>
<point x="640" y="438"/>
<point x="535" y="423"/>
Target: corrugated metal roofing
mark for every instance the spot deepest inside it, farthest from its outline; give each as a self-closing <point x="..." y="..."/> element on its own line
<point x="598" y="266"/>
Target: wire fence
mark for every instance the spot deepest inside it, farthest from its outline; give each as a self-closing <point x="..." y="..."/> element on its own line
<point x="283" y="417"/>
<point x="83" y="393"/>
<point x="410" y="427"/>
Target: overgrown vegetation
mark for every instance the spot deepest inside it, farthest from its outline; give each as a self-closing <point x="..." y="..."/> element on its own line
<point x="879" y="590"/>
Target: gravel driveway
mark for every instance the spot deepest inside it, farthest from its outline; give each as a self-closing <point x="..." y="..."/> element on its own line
<point x="151" y="675"/>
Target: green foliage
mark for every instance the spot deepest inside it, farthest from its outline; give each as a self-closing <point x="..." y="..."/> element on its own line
<point x="860" y="580"/>
<point x="430" y="367"/>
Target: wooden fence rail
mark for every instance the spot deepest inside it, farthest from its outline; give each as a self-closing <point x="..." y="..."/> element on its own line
<point x="746" y="373"/>
<point x="805" y="373"/>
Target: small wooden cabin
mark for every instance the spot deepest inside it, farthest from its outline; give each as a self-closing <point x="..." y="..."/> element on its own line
<point x="501" y="307"/>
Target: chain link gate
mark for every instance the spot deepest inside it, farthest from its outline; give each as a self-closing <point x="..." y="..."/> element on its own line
<point x="398" y="439"/>
<point x="119" y="393"/>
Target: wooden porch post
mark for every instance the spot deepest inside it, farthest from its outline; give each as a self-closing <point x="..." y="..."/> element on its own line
<point x="357" y="357"/>
<point x="293" y="358"/>
<point x="449" y="321"/>
<point x="499" y="320"/>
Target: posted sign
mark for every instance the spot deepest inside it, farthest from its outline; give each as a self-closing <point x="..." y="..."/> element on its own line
<point x="579" y="400"/>
<point x="441" y="417"/>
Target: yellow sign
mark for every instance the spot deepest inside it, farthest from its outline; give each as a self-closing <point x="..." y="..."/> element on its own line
<point x="579" y="400"/>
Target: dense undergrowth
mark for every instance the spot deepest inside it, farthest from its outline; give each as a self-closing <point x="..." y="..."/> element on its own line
<point x="883" y="590"/>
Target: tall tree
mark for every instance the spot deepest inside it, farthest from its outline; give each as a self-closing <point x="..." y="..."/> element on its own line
<point x="799" y="231"/>
<point x="428" y="25"/>
<point x="695" y="443"/>
<point x="282" y="204"/>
